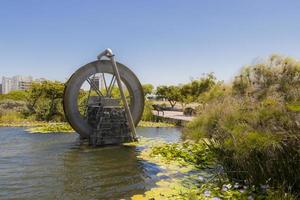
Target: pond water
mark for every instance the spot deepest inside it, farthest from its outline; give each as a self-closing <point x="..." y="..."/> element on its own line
<point x="57" y="166"/>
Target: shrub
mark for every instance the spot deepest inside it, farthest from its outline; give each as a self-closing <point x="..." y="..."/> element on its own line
<point x="11" y="110"/>
<point x="10" y="117"/>
<point x="16" y="95"/>
<point x="257" y="126"/>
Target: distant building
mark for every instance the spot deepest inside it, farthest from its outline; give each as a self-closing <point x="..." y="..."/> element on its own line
<point x="15" y="83"/>
<point x="101" y="82"/>
<point x="98" y="81"/>
<point x="6" y="85"/>
<point x="40" y="80"/>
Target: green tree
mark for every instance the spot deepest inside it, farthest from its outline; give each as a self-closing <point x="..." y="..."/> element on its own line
<point x="186" y="94"/>
<point x="45" y="100"/>
<point x="192" y="91"/>
<point x="201" y="85"/>
<point x="148" y="89"/>
<point x="171" y="93"/>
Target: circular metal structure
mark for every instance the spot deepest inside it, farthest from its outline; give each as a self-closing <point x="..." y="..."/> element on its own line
<point x="73" y="90"/>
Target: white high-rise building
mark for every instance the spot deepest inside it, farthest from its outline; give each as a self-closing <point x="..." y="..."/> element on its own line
<point x="6" y="85"/>
<point x="15" y="83"/>
<point x="98" y="81"/>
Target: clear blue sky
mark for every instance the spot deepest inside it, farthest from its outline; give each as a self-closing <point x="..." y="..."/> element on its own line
<point x="164" y="42"/>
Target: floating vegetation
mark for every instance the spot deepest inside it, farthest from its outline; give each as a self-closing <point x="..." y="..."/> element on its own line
<point x="66" y="128"/>
<point x="197" y="154"/>
<point x="189" y="171"/>
<point x="22" y="124"/>
<point x="48" y="127"/>
<point x="52" y="128"/>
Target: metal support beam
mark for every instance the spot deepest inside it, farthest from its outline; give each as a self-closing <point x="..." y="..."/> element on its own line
<point x="109" y="54"/>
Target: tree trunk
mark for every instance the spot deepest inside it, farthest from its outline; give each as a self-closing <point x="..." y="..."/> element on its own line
<point x="51" y="108"/>
<point x="172" y="103"/>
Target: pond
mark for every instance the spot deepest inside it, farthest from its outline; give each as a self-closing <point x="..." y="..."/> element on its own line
<point x="57" y="166"/>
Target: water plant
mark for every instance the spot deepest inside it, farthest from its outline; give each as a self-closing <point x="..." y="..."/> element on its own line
<point x="197" y="154"/>
<point x="187" y="176"/>
<point x="52" y="128"/>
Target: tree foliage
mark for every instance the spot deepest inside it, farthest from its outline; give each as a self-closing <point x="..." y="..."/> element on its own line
<point x="170" y="93"/>
<point x="45" y="101"/>
<point x="17" y="95"/>
<point x="148" y="89"/>
<point x="191" y="92"/>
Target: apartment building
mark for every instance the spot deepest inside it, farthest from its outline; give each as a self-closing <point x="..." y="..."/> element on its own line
<point x="15" y="83"/>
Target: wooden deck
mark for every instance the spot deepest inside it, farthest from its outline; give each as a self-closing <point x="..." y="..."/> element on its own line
<point x="173" y="116"/>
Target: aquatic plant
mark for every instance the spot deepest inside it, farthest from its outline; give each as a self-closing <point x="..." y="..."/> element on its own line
<point x="197" y="154"/>
<point x="52" y="128"/>
<point x="184" y="177"/>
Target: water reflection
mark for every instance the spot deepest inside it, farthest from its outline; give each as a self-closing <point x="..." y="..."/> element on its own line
<point x="56" y="166"/>
<point x="106" y="172"/>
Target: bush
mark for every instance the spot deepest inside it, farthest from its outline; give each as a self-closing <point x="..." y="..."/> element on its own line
<point x="16" y="95"/>
<point x="256" y="128"/>
<point x="10" y="117"/>
<point x="11" y="110"/>
<point x="12" y="105"/>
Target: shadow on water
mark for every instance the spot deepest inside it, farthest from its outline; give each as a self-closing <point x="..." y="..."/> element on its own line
<point x="56" y="166"/>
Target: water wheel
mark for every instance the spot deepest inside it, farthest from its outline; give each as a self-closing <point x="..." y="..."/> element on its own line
<point x="92" y="90"/>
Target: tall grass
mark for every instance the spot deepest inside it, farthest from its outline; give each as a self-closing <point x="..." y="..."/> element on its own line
<point x="257" y="125"/>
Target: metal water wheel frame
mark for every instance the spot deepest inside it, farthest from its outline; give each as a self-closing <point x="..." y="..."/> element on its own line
<point x="74" y="84"/>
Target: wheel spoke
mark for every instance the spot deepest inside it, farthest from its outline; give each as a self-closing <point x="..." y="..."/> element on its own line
<point x="108" y="88"/>
<point x="87" y="101"/>
<point x="92" y="84"/>
<point x="104" y="80"/>
<point x="111" y="85"/>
